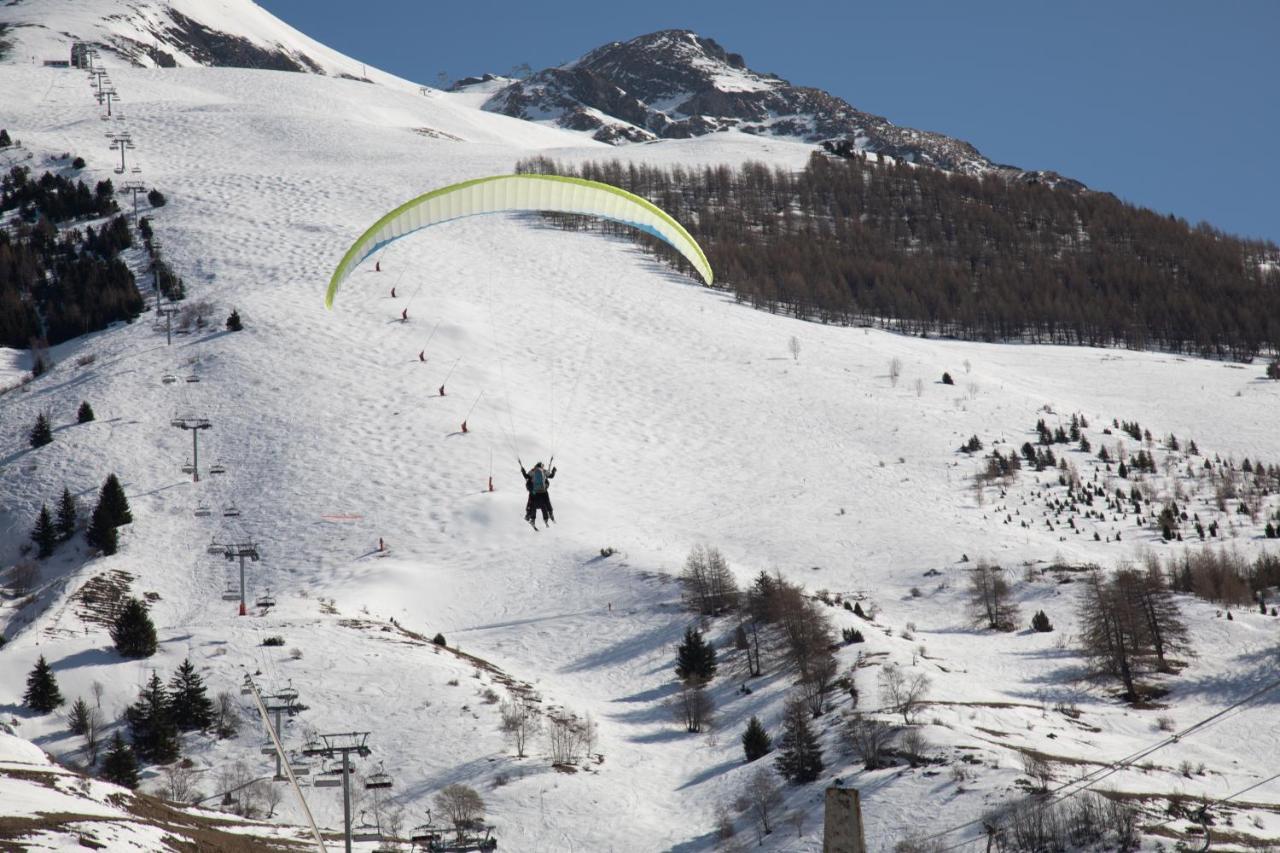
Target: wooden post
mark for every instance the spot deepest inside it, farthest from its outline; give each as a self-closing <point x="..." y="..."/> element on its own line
<point x="842" y="822"/>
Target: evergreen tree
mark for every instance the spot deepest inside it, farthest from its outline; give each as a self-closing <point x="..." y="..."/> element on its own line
<point x="44" y="534"/>
<point x="5" y="141"/>
<point x="756" y="742"/>
<point x="120" y="765"/>
<point x="117" y="505"/>
<point x="42" y="689"/>
<point x="151" y="724"/>
<point x="157" y="198"/>
<point x="799" y="755"/>
<point x="695" y="658"/>
<point x="132" y="631"/>
<point x="1040" y="622"/>
<point x="102" y="533"/>
<point x="191" y="708"/>
<point x="85" y="413"/>
<point x="66" y="515"/>
<point x="78" y="716"/>
<point x="41" y="433"/>
<point x="233" y="321"/>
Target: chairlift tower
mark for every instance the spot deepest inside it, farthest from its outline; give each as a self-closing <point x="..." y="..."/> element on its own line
<point x="283" y="702"/>
<point x="195" y="425"/>
<point x="167" y="313"/>
<point x="107" y="95"/>
<point x="121" y="142"/>
<point x="331" y="746"/>
<point x="238" y="551"/>
<point x="97" y="74"/>
<point x="134" y="188"/>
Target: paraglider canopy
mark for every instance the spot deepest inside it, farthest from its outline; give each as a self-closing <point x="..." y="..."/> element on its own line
<point x="515" y="193"/>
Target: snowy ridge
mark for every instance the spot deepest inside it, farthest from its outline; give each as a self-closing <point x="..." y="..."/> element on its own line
<point x="169" y="33"/>
<point x="676" y="417"/>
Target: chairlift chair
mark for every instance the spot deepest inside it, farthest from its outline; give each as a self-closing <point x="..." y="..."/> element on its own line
<point x="378" y="780"/>
<point x="188" y="467"/>
<point x="217" y="468"/>
<point x="215" y="548"/>
<point x="231" y="511"/>
<point x="190" y="378"/>
<point x="203" y="511"/>
<point x="168" y="378"/>
<point x="268" y="748"/>
<point x="268" y="600"/>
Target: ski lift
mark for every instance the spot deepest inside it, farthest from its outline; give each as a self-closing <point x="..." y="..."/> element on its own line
<point x="203" y="511"/>
<point x="365" y="831"/>
<point x="330" y="774"/>
<point x="188" y="467"/>
<point x="288" y="695"/>
<point x="168" y="378"/>
<point x="136" y="169"/>
<point x="231" y="592"/>
<point x="268" y="600"/>
<point x="217" y="468"/>
<point x="215" y="548"/>
<point x="378" y="780"/>
<point x="246" y="688"/>
<point x="300" y="768"/>
<point x="190" y="378"/>
<point x="268" y="748"/>
<point x="231" y="511"/>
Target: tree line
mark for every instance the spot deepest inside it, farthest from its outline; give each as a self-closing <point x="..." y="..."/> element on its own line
<point x="56" y="286"/>
<point x="927" y="252"/>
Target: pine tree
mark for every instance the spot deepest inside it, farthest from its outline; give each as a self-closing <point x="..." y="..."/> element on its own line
<point x="85" y="414"/>
<point x="695" y="658"/>
<point x="1040" y="622"/>
<point x="132" y="631"/>
<point x="756" y="742"/>
<point x="120" y="765"/>
<point x="117" y="505"/>
<point x="41" y="433"/>
<point x="151" y="724"/>
<point x="78" y="716"/>
<point x="191" y="708"/>
<point x="67" y="515"/>
<point x="233" y="321"/>
<point x="102" y="533"/>
<point x="799" y="755"/>
<point x="42" y="689"/>
<point x="44" y="534"/>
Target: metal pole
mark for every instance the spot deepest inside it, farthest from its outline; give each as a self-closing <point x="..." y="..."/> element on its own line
<point x="346" y="795"/>
<point x="168" y="334"/>
<point x="279" y="775"/>
<point x="195" y="461"/>
<point x="242" y="613"/>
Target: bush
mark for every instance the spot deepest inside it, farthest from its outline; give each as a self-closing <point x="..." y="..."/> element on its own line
<point x="156" y="198"/>
<point x="439" y="640"/>
<point x="947" y="380"/>
<point x="851" y="635"/>
<point x="77" y="163"/>
<point x="1273" y="369"/>
<point x="273" y="641"/>
<point x="1040" y="622"/>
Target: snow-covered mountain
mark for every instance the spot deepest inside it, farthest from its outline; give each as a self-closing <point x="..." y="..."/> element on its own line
<point x="676" y="417"/>
<point x="676" y="84"/>
<point x="170" y="33"/>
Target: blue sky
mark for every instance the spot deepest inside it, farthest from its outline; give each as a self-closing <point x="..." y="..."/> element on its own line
<point x="1171" y="105"/>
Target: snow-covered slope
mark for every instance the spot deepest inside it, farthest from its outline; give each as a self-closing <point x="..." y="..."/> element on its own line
<point x="169" y="33"/>
<point x="676" y="417"/>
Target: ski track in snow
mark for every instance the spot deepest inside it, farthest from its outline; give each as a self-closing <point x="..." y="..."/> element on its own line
<point x="676" y="417"/>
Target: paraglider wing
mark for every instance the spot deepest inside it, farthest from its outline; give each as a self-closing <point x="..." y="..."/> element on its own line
<point x="514" y="193"/>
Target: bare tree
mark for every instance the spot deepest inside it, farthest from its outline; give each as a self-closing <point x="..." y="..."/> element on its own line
<point x="761" y="798"/>
<point x="918" y="385"/>
<point x="903" y="692"/>
<point x="179" y="783"/>
<point x="895" y="371"/>
<point x="272" y="796"/>
<point x="991" y="602"/>
<point x="520" y="721"/>
<point x="915" y="746"/>
<point x="1038" y="769"/>
<point x="692" y="706"/>
<point x="461" y="805"/>
<point x="566" y="737"/>
<point x="97" y="689"/>
<point x="793" y="346"/>
<point x="24" y="577"/>
<point x="226" y="715"/>
<point x="818" y="680"/>
<point x="92" y="732"/>
<point x="709" y="586"/>
<point x="870" y="739"/>
<point x="805" y="625"/>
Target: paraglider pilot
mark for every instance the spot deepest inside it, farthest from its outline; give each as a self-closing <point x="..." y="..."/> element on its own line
<point x="537" y="480"/>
